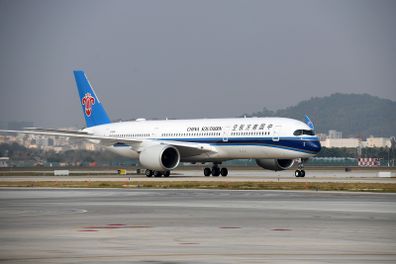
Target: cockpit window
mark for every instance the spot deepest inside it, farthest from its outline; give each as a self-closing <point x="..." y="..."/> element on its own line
<point x="300" y="132"/>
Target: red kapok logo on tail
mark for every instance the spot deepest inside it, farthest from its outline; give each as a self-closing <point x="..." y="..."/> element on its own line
<point x="88" y="101"/>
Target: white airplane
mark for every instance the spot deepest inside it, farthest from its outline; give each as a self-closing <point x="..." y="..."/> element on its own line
<point x="275" y="143"/>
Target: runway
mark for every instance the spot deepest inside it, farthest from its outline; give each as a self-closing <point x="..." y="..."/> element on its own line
<point x="195" y="226"/>
<point x="239" y="174"/>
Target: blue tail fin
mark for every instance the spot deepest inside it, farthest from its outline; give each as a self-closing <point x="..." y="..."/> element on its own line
<point x="93" y="110"/>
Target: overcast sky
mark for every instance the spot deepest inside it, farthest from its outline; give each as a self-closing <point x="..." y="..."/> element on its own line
<point x="186" y="59"/>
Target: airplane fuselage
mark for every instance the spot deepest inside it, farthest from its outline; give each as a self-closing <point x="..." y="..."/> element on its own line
<point x="232" y="138"/>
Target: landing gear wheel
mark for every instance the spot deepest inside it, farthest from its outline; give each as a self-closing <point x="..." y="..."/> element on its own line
<point x="207" y="172"/>
<point x="157" y="174"/>
<point x="224" y="172"/>
<point x="166" y="173"/>
<point x="215" y="171"/>
<point x="148" y="173"/>
<point x="300" y="172"/>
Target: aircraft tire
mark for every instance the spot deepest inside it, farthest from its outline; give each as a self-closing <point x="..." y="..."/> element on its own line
<point x="166" y="173"/>
<point x="297" y="173"/>
<point x="157" y="174"/>
<point x="224" y="172"/>
<point x="207" y="172"/>
<point x="302" y="173"/>
<point x="215" y="172"/>
<point x="148" y="173"/>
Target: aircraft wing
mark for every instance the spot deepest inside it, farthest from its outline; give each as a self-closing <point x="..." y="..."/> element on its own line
<point x="185" y="148"/>
<point x="74" y="134"/>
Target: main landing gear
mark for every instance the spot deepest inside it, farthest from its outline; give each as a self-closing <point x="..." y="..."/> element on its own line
<point x="151" y="173"/>
<point x="215" y="171"/>
<point x="300" y="172"/>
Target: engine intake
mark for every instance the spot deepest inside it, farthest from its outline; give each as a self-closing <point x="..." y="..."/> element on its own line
<point x="160" y="158"/>
<point x="275" y="164"/>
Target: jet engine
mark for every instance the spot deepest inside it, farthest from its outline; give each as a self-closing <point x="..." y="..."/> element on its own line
<point x="159" y="157"/>
<point x="275" y="164"/>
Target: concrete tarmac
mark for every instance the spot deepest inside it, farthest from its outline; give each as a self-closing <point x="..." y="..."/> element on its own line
<point x="195" y="226"/>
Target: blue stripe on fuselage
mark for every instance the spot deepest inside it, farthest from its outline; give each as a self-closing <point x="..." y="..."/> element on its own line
<point x="306" y="144"/>
<point x="309" y="145"/>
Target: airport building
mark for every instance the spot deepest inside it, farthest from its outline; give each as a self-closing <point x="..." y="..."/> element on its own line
<point x="377" y="142"/>
<point x="334" y="134"/>
<point x="334" y="139"/>
<point x="341" y="143"/>
<point x="371" y="142"/>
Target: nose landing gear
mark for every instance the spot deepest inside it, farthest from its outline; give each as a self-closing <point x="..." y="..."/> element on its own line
<point x="300" y="172"/>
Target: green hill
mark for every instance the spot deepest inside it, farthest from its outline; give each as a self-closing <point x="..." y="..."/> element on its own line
<point x="357" y="115"/>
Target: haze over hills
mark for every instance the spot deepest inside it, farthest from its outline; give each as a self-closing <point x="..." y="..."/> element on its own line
<point x="356" y="115"/>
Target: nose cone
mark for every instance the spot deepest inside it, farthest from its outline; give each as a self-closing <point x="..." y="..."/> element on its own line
<point x="315" y="146"/>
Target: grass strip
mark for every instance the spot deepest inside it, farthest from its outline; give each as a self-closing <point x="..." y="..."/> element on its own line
<point x="317" y="186"/>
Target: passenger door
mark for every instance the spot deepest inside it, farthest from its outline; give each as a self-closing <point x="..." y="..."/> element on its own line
<point x="226" y="133"/>
<point x="275" y="133"/>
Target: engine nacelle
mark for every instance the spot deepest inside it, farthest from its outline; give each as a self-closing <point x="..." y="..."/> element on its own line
<point x="159" y="158"/>
<point x="275" y="164"/>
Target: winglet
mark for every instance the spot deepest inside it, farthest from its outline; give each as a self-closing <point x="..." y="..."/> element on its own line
<point x="309" y="122"/>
